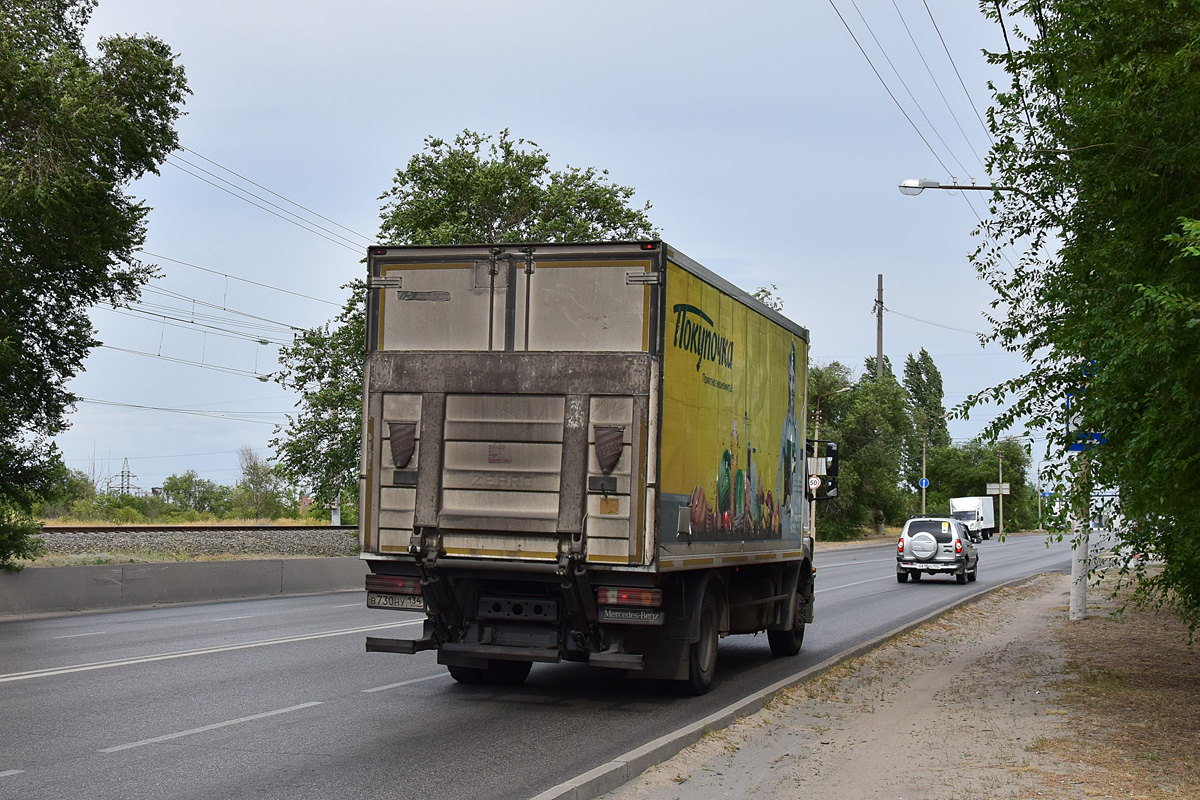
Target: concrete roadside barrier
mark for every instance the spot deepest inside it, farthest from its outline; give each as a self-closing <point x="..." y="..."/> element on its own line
<point x="61" y="590"/>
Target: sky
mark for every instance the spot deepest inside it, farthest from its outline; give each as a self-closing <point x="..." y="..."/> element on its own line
<point x="769" y="138"/>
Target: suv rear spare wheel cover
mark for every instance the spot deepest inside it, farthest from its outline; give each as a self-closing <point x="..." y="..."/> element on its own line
<point x="923" y="546"/>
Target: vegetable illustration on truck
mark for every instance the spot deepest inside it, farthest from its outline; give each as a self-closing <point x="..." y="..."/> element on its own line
<point x="569" y="453"/>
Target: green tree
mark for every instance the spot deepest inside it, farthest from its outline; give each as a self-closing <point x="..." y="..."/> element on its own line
<point x="869" y="424"/>
<point x="260" y="492"/>
<point x="923" y="386"/>
<point x="965" y="470"/>
<point x="478" y="189"/>
<point x="1097" y="132"/>
<point x="71" y="486"/>
<point x="190" y="492"/>
<point x="75" y="130"/>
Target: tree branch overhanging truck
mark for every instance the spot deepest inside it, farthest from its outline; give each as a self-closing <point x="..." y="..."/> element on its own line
<point x="582" y="452"/>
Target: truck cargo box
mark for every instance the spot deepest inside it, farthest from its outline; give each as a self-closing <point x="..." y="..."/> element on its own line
<point x="561" y="425"/>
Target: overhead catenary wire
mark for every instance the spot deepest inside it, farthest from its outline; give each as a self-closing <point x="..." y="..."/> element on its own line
<point x="237" y="416"/>
<point x="264" y="377"/>
<point x="367" y="239"/>
<point x="286" y="216"/>
<point x="236" y="278"/>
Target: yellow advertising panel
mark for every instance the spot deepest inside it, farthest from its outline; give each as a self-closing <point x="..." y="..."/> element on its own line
<point x="733" y="391"/>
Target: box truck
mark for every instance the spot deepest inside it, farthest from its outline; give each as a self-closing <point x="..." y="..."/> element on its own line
<point x="582" y="452"/>
<point x="977" y="513"/>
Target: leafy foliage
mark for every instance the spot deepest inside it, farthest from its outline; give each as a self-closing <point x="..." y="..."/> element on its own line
<point x="869" y="424"/>
<point x="74" y="131"/>
<point x="923" y="387"/>
<point x="484" y="190"/>
<point x="1098" y="134"/>
<point x="478" y="189"/>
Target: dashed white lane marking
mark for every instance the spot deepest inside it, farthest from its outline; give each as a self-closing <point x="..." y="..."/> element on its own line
<point x="6" y="773"/>
<point x="46" y="673"/>
<point x="407" y="683"/>
<point x="227" y="619"/>
<point x="856" y="583"/>
<point x="212" y="727"/>
<point x="77" y="635"/>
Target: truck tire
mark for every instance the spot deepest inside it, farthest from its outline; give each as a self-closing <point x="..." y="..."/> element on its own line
<point x="702" y="660"/>
<point x="466" y="674"/>
<point x="788" y="643"/>
<point x="506" y="673"/>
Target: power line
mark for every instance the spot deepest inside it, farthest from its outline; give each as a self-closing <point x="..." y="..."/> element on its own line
<point x="900" y="78"/>
<point x="237" y="188"/>
<point x="961" y="83"/>
<point x="366" y="239"/>
<point x="936" y="85"/>
<point x="928" y="322"/>
<point x="341" y="241"/>
<point x="175" y="322"/>
<point x="886" y="88"/>
<point x="178" y="296"/>
<point x="236" y="278"/>
<point x="230" y="370"/>
<point x="191" y="411"/>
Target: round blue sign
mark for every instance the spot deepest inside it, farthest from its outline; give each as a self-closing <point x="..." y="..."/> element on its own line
<point x="924" y="483"/>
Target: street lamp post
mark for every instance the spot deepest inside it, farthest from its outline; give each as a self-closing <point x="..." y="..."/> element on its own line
<point x="914" y="186"/>
<point x="812" y="504"/>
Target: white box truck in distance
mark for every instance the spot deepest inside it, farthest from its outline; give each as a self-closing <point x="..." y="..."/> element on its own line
<point x="581" y="452"/>
<point x="977" y="513"/>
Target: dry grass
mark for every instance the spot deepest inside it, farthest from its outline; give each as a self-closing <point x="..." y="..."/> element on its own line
<point x="1134" y="693"/>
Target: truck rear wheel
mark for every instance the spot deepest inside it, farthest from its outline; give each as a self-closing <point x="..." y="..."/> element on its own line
<point x="788" y="643"/>
<point x="506" y="673"/>
<point x="466" y="674"/>
<point x="702" y="661"/>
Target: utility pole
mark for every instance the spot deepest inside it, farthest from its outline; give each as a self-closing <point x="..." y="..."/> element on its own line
<point x="1081" y="522"/>
<point x="1000" y="496"/>
<point x="879" y="329"/>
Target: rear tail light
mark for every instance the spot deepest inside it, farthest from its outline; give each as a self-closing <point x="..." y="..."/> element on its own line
<point x="900" y="546"/>
<point x="958" y="546"/>
<point x="615" y="596"/>
<point x="393" y="584"/>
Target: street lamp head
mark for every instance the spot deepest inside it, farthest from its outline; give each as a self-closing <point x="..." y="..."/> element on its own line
<point x="914" y="186"/>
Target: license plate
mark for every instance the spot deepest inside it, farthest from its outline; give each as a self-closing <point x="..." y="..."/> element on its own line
<point x="400" y="602"/>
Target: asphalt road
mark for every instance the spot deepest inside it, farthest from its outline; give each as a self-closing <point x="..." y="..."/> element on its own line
<point x="277" y="699"/>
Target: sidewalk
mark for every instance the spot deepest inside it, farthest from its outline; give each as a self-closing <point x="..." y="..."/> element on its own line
<point x="1001" y="698"/>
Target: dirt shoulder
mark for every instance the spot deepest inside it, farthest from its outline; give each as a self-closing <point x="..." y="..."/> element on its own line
<point x="1001" y="698"/>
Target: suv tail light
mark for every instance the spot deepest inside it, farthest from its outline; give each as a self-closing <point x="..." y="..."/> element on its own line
<point x="900" y="546"/>
<point x="958" y="547"/>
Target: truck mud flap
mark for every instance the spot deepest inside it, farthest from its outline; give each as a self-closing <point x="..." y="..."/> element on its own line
<point x="407" y="647"/>
<point x="613" y="660"/>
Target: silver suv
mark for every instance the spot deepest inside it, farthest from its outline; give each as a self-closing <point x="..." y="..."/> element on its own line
<point x="931" y="545"/>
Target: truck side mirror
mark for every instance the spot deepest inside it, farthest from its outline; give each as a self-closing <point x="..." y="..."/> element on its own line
<point x="831" y="459"/>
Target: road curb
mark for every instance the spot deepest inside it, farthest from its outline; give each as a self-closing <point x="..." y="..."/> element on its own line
<point x="624" y="768"/>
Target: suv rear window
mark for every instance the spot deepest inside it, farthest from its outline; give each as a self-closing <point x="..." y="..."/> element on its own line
<point x="941" y="530"/>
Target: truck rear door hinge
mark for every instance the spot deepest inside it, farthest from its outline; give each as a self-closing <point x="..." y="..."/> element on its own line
<point x="383" y="282"/>
<point x="643" y="278"/>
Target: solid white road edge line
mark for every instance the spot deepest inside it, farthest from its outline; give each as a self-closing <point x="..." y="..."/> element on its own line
<point x="407" y="683"/>
<point x="46" y="673"/>
<point x="212" y="727"/>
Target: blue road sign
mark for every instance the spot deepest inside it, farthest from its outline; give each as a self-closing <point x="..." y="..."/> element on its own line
<point x="924" y="483"/>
